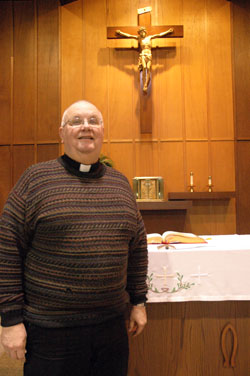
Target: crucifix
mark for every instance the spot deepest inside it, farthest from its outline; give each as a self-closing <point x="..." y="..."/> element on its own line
<point x="144" y="33"/>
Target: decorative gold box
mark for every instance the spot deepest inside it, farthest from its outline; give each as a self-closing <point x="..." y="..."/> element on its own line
<point x="148" y="188"/>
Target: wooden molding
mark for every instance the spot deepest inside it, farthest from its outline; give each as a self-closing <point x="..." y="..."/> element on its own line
<point x="200" y="195"/>
<point x="163" y="205"/>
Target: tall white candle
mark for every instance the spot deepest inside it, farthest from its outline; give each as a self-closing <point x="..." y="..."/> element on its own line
<point x="191" y="179"/>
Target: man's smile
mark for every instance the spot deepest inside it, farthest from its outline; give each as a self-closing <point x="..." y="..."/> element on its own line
<point x="85" y="138"/>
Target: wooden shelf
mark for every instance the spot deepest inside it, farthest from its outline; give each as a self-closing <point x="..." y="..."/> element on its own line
<point x="164" y="205"/>
<point x="200" y="195"/>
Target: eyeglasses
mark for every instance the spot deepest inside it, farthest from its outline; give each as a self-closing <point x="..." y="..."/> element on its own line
<point x="92" y="122"/>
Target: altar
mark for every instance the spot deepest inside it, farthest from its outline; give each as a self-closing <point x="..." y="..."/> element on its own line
<point x="198" y="311"/>
<point x="214" y="271"/>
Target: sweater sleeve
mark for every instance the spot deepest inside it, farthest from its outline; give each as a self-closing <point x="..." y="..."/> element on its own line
<point x="13" y="243"/>
<point x="138" y="264"/>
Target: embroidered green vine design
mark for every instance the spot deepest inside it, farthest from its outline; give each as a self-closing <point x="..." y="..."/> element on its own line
<point x="181" y="285"/>
<point x="150" y="284"/>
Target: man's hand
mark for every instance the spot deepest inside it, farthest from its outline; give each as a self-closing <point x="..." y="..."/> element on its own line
<point x="13" y="339"/>
<point x="138" y="320"/>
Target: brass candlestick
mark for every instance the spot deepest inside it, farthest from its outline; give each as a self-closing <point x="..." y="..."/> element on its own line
<point x="191" y="186"/>
<point x="210" y="185"/>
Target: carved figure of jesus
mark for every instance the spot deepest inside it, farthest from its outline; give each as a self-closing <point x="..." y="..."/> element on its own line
<point x="145" y="57"/>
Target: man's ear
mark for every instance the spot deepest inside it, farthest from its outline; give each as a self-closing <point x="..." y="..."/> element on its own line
<point x="61" y="134"/>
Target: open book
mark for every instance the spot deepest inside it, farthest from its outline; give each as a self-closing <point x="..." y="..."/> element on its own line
<point x="169" y="237"/>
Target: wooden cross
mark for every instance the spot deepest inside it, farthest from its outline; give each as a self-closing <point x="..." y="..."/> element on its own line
<point x="166" y="31"/>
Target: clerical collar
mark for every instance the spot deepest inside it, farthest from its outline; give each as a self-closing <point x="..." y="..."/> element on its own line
<point x="94" y="170"/>
<point x="84" y="167"/>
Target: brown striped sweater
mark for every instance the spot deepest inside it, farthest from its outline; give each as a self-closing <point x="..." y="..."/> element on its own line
<point x="72" y="246"/>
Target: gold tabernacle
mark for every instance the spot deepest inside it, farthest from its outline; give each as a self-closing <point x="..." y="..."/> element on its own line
<point x="148" y="188"/>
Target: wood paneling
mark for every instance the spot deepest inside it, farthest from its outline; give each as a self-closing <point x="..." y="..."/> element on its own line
<point x="5" y="71"/>
<point x="29" y="83"/>
<point x="219" y="70"/>
<point x="95" y="55"/>
<point x="24" y="100"/>
<point x="147" y="159"/>
<point x="168" y="76"/>
<point x="194" y="65"/>
<point x="122" y="155"/>
<point x="71" y="27"/>
<point x="47" y="152"/>
<point x="241" y="47"/>
<point x="241" y="44"/>
<point x="183" y="339"/>
<point x="5" y="174"/>
<point x="23" y="157"/>
<point x="243" y="187"/>
<point x="222" y="166"/>
<point x="172" y="166"/>
<point x="121" y="77"/>
<point x="192" y="94"/>
<point x="48" y="105"/>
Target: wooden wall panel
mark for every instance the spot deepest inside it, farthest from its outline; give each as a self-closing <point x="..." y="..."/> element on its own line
<point x="223" y="165"/>
<point x="121" y="77"/>
<point x="5" y="71"/>
<point x="48" y="105"/>
<point x="168" y="76"/>
<point x="241" y="48"/>
<point x="241" y="44"/>
<point x="147" y="159"/>
<point x="168" y="94"/>
<point x="222" y="217"/>
<point x="72" y="52"/>
<point x="219" y="70"/>
<point x="211" y="217"/>
<point x="122" y="155"/>
<point x="243" y="186"/>
<point x="23" y="157"/>
<point x="199" y="218"/>
<point x="5" y="174"/>
<point x="47" y="152"/>
<point x="95" y="57"/>
<point x="172" y="166"/>
<point x="24" y="101"/>
<point x="194" y="69"/>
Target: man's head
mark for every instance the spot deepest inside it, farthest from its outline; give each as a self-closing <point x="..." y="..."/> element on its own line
<point x="82" y="131"/>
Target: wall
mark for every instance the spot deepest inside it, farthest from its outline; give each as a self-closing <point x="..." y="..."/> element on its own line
<point x="193" y="122"/>
<point x="55" y="55"/>
<point x="241" y="56"/>
<point x="29" y="87"/>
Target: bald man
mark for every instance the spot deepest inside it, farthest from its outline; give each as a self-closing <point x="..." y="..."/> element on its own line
<point x="73" y="256"/>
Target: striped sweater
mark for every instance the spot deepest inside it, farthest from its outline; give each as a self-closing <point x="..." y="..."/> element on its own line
<point x="72" y="246"/>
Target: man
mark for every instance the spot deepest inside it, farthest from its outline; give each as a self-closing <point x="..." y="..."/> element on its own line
<point x="72" y="255"/>
<point x="145" y="57"/>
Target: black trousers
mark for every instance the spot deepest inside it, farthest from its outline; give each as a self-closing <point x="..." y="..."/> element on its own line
<point x="98" y="350"/>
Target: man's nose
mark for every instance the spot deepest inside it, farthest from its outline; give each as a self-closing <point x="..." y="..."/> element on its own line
<point x="85" y="125"/>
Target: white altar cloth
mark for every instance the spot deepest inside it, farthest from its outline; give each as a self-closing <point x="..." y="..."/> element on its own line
<point x="218" y="270"/>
